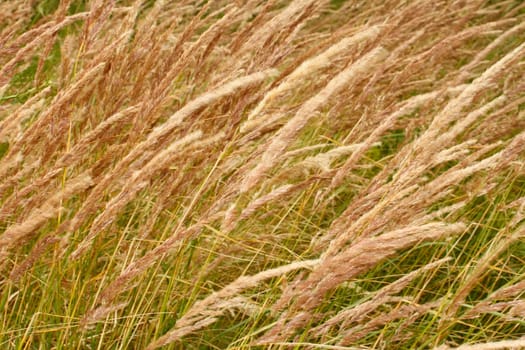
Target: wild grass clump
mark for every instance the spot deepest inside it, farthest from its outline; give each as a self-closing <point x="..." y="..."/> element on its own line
<point x="262" y="174"/>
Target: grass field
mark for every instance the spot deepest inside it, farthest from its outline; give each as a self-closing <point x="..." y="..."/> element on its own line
<point x="253" y="174"/>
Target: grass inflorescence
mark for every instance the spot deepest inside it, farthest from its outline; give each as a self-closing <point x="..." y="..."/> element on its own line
<point x="262" y="174"/>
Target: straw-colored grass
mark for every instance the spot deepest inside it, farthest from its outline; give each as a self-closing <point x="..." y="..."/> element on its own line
<point x="262" y="174"/>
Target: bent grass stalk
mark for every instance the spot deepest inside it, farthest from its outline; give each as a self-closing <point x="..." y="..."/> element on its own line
<point x="317" y="174"/>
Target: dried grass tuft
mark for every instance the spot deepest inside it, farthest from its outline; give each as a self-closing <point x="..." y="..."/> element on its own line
<point x="302" y="173"/>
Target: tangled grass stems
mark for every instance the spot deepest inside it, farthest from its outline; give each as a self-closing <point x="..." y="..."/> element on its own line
<point x="316" y="174"/>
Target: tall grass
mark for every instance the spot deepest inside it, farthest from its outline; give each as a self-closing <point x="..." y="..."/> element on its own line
<point x="262" y="174"/>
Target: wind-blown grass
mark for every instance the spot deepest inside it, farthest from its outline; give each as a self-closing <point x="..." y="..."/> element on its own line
<point x="262" y="174"/>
